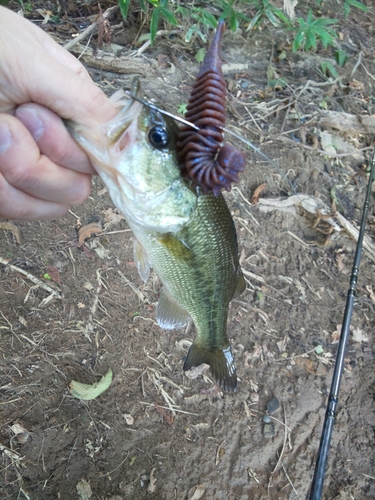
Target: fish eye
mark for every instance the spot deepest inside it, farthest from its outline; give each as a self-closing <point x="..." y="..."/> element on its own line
<point x="158" y="137"/>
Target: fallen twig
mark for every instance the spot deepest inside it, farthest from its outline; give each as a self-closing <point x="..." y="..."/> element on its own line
<point x="315" y="206"/>
<point x="32" y="278"/>
<point x="90" y="29"/>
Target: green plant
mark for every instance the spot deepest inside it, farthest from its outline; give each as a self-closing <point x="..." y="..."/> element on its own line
<point x="328" y="69"/>
<point x="313" y="30"/>
<point x="341" y="57"/>
<point x="353" y="3"/>
<point x="182" y="108"/>
<point x="26" y="6"/>
<point x="202" y="19"/>
<point x="265" y="10"/>
<point x="160" y="11"/>
<point x="230" y="15"/>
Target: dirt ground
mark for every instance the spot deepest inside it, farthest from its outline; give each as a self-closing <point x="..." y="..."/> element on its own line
<point x="155" y="433"/>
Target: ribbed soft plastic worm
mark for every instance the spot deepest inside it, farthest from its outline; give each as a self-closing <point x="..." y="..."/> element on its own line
<point x="210" y="164"/>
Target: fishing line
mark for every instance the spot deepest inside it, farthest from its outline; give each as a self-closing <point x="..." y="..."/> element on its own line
<point x="330" y="416"/>
<point x="162" y="111"/>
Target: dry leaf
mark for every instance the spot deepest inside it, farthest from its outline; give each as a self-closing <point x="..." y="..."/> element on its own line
<point x="54" y="274"/>
<point x="9" y="226"/>
<point x="355" y="84"/>
<point x="164" y="413"/>
<point x="89" y="230"/>
<point x="289" y="6"/>
<point x="370" y="292"/>
<point x="21" y="434"/>
<point x="335" y="336"/>
<point x="84" y="490"/>
<point x="256" y="194"/>
<point x="339" y="259"/>
<point x="129" y="419"/>
<point x="359" y="336"/>
<point x="199" y="491"/>
<point x="46" y="14"/>
<point x="112" y="216"/>
<point x="88" y="392"/>
<point x="307" y="364"/>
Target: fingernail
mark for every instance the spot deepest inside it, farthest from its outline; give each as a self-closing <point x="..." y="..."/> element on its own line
<point x="30" y="118"/>
<point x="5" y="137"/>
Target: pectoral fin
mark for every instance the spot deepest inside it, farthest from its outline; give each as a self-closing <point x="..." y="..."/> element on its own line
<point x="141" y="261"/>
<point x="220" y="360"/>
<point x="169" y="314"/>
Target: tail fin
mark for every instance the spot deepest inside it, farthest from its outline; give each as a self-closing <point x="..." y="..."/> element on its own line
<point x="220" y="360"/>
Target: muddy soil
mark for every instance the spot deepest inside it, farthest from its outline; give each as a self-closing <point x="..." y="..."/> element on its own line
<point x="155" y="433"/>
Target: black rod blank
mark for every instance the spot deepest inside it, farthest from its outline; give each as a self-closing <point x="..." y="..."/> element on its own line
<point x="329" y="420"/>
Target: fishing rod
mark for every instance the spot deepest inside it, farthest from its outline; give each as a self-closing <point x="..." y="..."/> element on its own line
<point x="330" y="416"/>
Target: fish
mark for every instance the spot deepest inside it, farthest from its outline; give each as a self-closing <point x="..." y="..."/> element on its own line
<point x="185" y="234"/>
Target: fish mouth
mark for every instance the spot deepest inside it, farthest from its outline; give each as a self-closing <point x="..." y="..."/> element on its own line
<point x="128" y="113"/>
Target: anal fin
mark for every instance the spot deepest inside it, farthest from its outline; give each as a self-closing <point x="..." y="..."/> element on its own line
<point x="169" y="314"/>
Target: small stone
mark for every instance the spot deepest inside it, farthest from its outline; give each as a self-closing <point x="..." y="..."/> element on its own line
<point x="268" y="430"/>
<point x="266" y="419"/>
<point x="254" y="397"/>
<point x="129" y="419"/>
<point x="245" y="84"/>
<point x="273" y="405"/>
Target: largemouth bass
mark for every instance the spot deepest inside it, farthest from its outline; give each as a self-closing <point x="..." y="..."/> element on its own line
<point x="188" y="237"/>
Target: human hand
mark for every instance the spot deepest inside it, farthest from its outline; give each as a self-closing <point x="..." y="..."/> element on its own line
<point x="42" y="170"/>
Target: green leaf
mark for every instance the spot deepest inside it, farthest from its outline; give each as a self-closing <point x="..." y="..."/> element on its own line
<point x="298" y="41"/>
<point x="254" y="20"/>
<point x="359" y="5"/>
<point x="182" y="109"/>
<point x="226" y="11"/>
<point x="310" y="40"/>
<point x="272" y="18"/>
<point x="325" y="37"/>
<point x="328" y="69"/>
<point x="319" y="349"/>
<point x="277" y="82"/>
<point x="199" y="56"/>
<point x="341" y="57"/>
<point x="326" y="22"/>
<point x="233" y="21"/>
<point x="154" y="24"/>
<point x="190" y="32"/>
<point x="144" y="38"/>
<point x="124" y="8"/>
<point x="181" y="10"/>
<point x="209" y="19"/>
<point x="88" y="392"/>
<point x="46" y="276"/>
<point x="285" y="19"/>
<point x="169" y="16"/>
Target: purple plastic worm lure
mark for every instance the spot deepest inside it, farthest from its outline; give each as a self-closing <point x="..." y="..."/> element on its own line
<point x="210" y="164"/>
